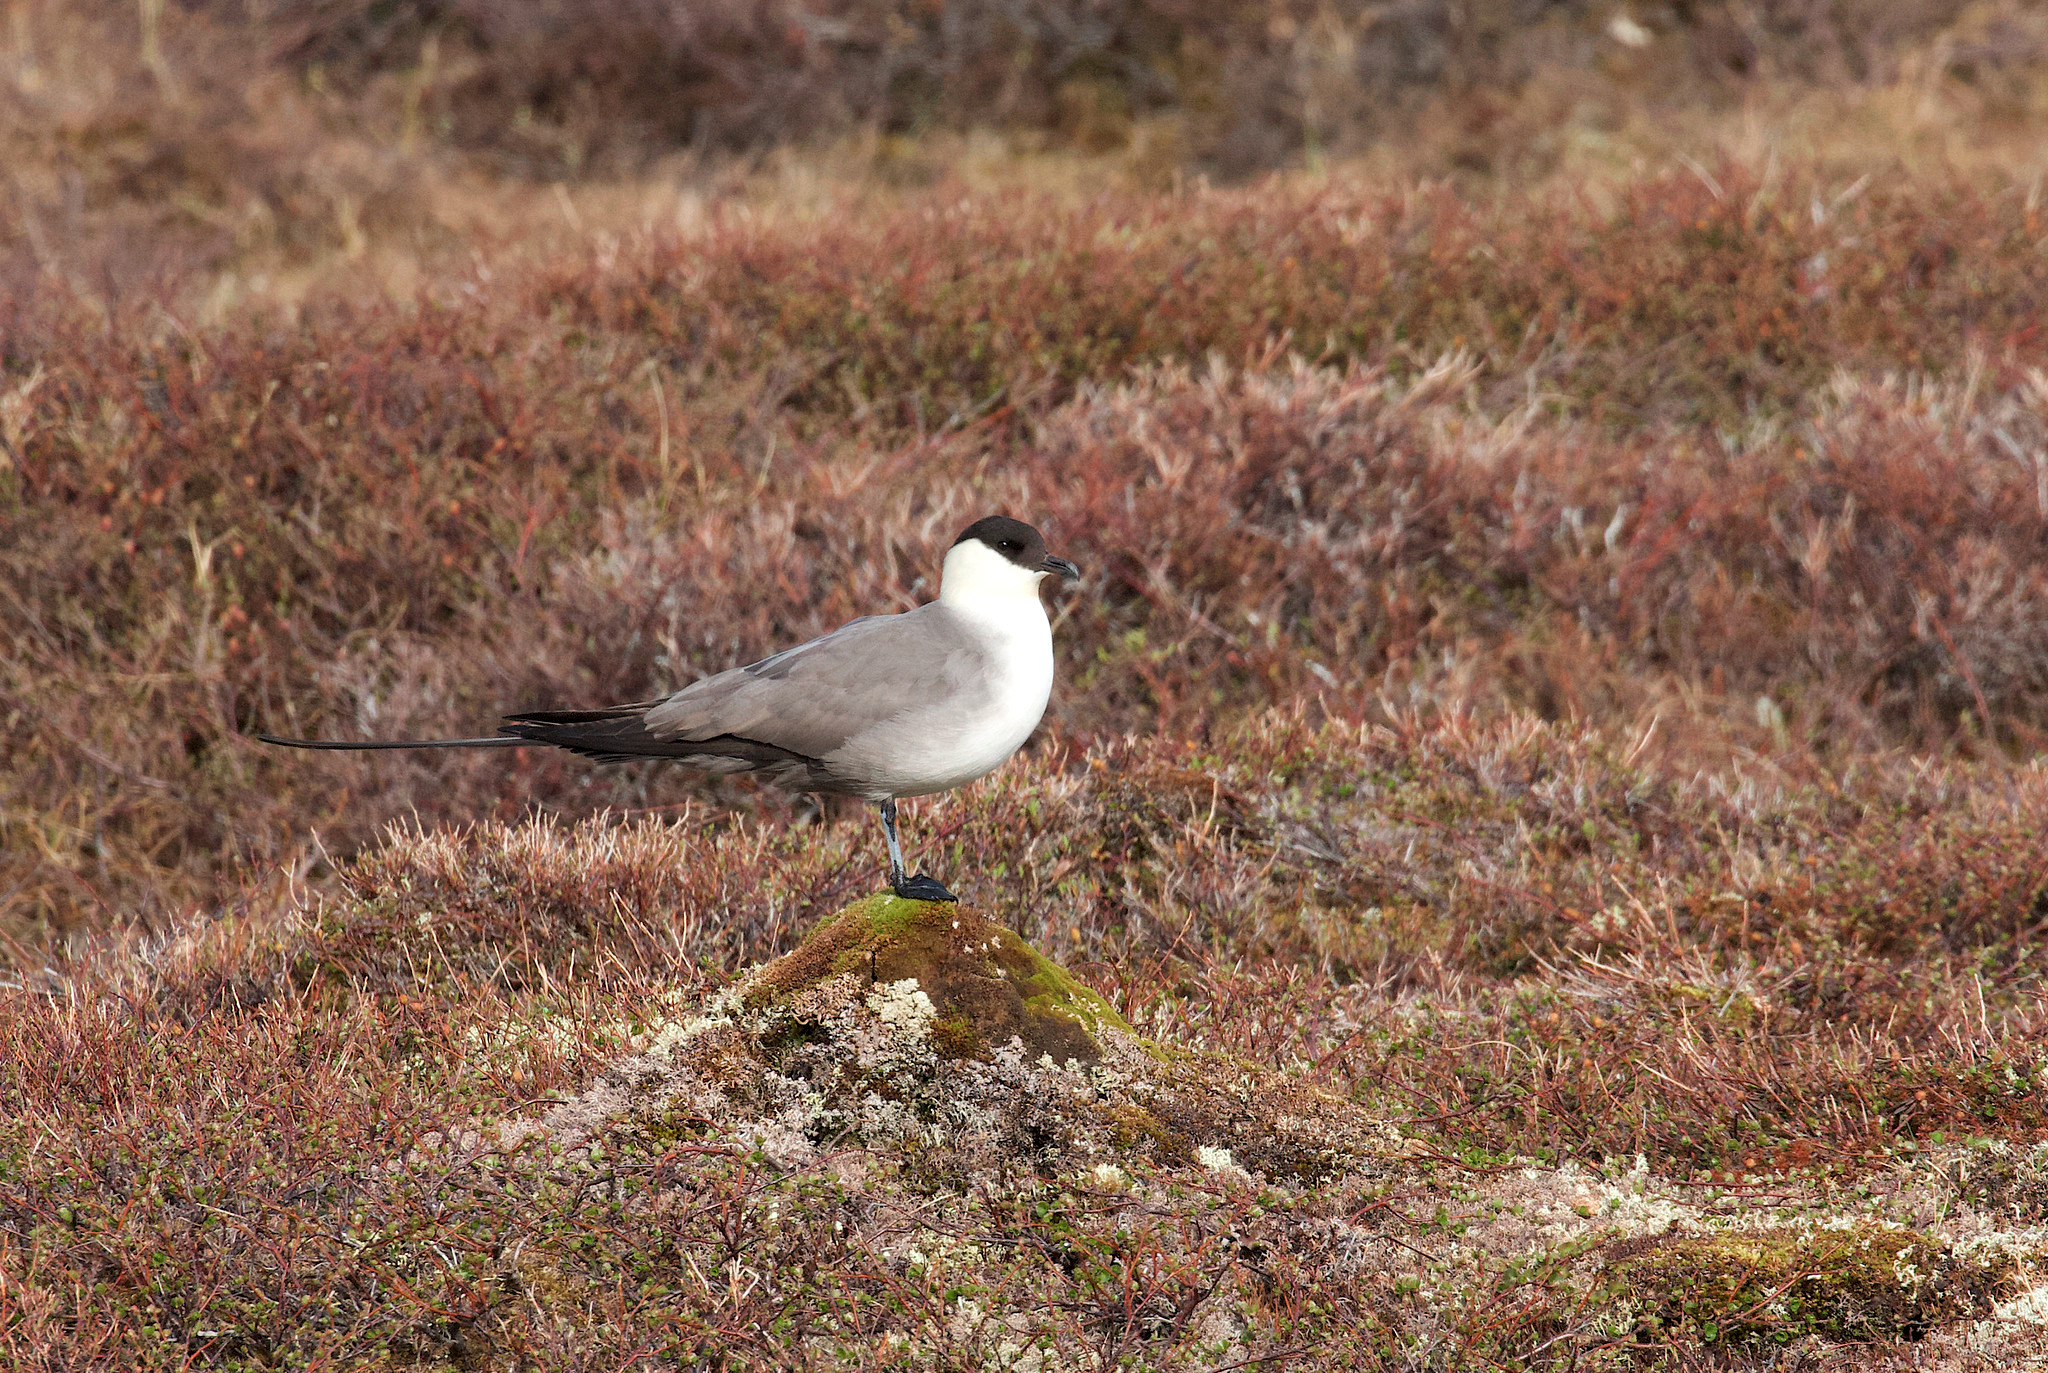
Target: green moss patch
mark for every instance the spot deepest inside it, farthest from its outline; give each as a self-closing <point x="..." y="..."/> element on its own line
<point x="1864" y="1283"/>
<point x="1137" y="1130"/>
<point x="985" y="982"/>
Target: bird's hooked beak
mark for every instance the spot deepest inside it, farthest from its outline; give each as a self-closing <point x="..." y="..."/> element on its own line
<point x="1067" y="571"/>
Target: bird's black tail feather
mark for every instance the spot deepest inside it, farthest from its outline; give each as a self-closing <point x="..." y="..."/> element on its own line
<point x="617" y="734"/>
<point x="612" y="734"/>
<point x="609" y="733"/>
<point x="494" y="741"/>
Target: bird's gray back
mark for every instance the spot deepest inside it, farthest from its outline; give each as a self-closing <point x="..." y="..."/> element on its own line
<point x="817" y="697"/>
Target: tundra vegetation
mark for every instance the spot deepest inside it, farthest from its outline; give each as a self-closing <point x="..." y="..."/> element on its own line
<point x="1535" y="857"/>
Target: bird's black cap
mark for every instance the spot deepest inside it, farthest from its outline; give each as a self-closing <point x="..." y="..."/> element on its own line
<point x="1018" y="542"/>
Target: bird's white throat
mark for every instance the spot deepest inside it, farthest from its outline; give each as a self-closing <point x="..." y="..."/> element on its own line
<point x="973" y="571"/>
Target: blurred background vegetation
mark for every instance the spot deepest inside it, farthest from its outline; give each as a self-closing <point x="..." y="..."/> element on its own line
<point x="369" y="368"/>
<point x="278" y="135"/>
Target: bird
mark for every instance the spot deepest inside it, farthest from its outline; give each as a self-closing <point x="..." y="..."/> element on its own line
<point x="882" y="708"/>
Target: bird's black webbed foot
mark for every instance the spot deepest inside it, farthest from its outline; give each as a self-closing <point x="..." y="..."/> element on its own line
<point x="923" y="888"/>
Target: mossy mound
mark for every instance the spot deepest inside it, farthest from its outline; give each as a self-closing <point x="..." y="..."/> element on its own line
<point x="1863" y="1282"/>
<point x="987" y="986"/>
<point x="936" y="1039"/>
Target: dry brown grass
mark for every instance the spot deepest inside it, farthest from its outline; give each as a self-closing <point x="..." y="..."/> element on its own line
<point x="203" y="154"/>
<point x="594" y="479"/>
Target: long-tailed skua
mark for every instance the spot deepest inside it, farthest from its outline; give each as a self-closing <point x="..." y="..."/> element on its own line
<point x="885" y="707"/>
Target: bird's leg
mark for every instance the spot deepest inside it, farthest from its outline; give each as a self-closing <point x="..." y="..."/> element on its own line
<point x="918" y="888"/>
<point x="897" y="876"/>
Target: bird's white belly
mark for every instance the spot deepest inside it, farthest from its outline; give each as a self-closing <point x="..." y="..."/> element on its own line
<point x="947" y="744"/>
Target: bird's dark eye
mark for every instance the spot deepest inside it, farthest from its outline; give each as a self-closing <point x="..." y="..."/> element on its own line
<point x="1008" y="545"/>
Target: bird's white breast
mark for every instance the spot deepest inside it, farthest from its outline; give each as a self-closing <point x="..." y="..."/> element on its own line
<point x="947" y="743"/>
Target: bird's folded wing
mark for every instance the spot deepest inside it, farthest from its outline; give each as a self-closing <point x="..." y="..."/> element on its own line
<point x="813" y="699"/>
